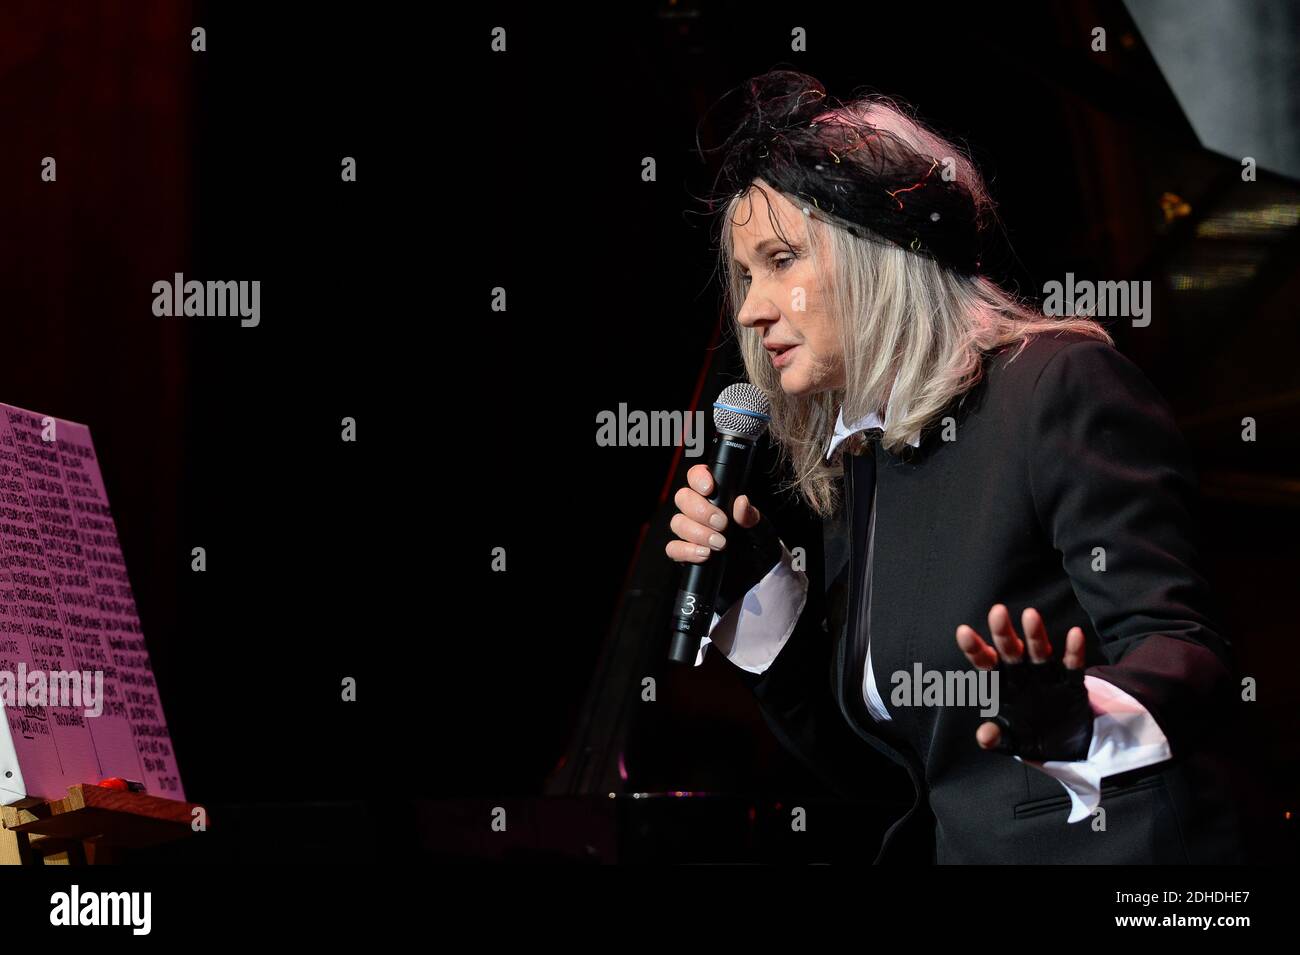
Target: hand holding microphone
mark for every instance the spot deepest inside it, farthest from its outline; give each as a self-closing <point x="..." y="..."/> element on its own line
<point x="698" y="524"/>
<point x="740" y="415"/>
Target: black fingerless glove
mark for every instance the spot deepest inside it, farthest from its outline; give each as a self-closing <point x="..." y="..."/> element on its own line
<point x="1043" y="711"/>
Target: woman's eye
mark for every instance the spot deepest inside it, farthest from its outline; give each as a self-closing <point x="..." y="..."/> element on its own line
<point x="778" y="265"/>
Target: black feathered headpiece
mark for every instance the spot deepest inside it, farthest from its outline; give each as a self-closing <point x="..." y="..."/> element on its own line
<point x="861" y="177"/>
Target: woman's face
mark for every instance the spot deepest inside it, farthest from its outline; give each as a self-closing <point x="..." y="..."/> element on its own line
<point x="783" y="299"/>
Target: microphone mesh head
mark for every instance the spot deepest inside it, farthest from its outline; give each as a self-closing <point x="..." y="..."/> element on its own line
<point x="742" y="410"/>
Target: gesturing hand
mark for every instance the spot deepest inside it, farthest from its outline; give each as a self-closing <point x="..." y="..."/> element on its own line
<point x="1043" y="711"/>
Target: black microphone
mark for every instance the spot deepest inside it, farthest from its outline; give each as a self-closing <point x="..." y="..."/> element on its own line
<point x="740" y="416"/>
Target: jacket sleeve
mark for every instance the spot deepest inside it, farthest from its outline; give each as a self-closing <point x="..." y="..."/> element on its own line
<point x="795" y="699"/>
<point x="751" y="631"/>
<point x="1109" y="470"/>
<point x="773" y="635"/>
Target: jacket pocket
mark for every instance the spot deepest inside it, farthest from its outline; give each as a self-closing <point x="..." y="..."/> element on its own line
<point x="1037" y="807"/>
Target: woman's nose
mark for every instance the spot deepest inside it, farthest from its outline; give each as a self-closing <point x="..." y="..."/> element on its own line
<point x="757" y="308"/>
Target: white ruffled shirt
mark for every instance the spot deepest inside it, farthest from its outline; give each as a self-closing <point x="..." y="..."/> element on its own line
<point x="753" y="631"/>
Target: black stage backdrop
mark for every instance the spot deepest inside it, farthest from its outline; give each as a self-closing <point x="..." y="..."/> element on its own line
<point x="520" y="170"/>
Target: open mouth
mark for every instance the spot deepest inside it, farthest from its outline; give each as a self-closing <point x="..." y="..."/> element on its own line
<point x="782" y="358"/>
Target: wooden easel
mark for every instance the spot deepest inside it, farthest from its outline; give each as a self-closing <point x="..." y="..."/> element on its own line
<point x="92" y="825"/>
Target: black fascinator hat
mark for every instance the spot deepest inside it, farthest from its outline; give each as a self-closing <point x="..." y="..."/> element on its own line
<point x="848" y="171"/>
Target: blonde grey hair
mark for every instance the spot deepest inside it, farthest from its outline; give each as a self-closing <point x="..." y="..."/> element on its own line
<point x="914" y="332"/>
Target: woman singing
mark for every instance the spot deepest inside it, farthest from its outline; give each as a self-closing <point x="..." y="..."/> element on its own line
<point x="1014" y="610"/>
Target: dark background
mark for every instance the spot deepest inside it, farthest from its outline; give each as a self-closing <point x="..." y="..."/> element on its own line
<point x="225" y="165"/>
<point x="522" y="170"/>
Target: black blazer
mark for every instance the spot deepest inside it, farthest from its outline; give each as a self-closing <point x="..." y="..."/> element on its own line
<point x="1061" y="448"/>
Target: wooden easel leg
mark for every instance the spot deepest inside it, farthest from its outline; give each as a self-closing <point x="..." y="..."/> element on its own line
<point x="96" y="853"/>
<point x="77" y="853"/>
<point x="16" y="849"/>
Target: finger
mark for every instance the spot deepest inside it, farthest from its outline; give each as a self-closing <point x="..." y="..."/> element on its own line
<point x="987" y="735"/>
<point x="746" y="514"/>
<point x="698" y="509"/>
<point x="699" y="478"/>
<point x="1004" y="635"/>
<point x="979" y="653"/>
<point x="685" y="552"/>
<point x="1040" y="648"/>
<point x="694" y="533"/>
<point x="1074" y="644"/>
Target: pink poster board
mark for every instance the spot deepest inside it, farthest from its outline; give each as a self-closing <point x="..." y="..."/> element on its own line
<point x="68" y="620"/>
